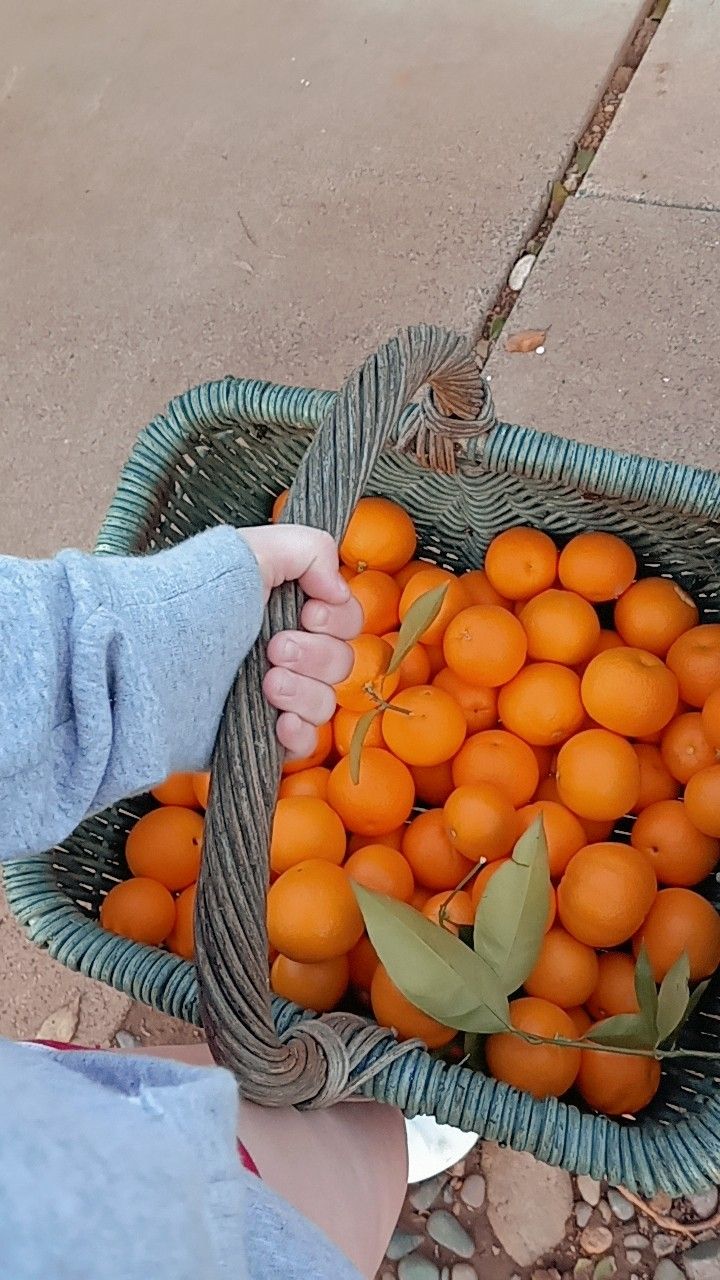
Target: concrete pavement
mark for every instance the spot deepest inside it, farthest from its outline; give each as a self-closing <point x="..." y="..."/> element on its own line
<point x="191" y="190"/>
<point x="628" y="280"/>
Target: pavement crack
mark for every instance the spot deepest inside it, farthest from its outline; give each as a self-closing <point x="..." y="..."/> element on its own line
<point x="617" y="198"/>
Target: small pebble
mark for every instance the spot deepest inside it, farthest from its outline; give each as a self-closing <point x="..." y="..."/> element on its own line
<point x="664" y="1244"/>
<point x="702" y="1262"/>
<point x="472" y="1192"/>
<point x="426" y="1194"/>
<point x="705" y="1203"/>
<point x="589" y="1189"/>
<point x="458" y="1170"/>
<point x="448" y="1196"/>
<point x="401" y="1244"/>
<point x="636" y="1241"/>
<point x="463" y="1271"/>
<point x="582" y="1268"/>
<point x="661" y="1202"/>
<point x="634" y="1257"/>
<point x="416" y="1267"/>
<point x="621" y="1207"/>
<point x="124" y="1040"/>
<point x="605" y="1269"/>
<point x="446" y="1231"/>
<point x="596" y="1240"/>
<point x="521" y="271"/>
<point x="667" y="1270"/>
<point x="604" y="1211"/>
<point x="583" y="1213"/>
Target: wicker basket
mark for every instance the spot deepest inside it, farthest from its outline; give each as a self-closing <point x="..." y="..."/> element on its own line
<point x="221" y="453"/>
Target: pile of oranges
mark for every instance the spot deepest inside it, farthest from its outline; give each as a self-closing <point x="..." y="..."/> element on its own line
<point x="551" y="683"/>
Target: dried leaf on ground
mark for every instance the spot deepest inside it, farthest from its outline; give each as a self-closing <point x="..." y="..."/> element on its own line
<point x="584" y="159"/>
<point x="526" y="341"/>
<point x="497" y="324"/>
<point x="61" y="1024"/>
<point x="558" y="197"/>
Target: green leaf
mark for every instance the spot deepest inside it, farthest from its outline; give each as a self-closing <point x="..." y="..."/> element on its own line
<point x="625" y="1030"/>
<point x="418" y="618"/>
<point x="512" y="912"/>
<point x="645" y="990"/>
<point x="497" y="324"/>
<point x="432" y="967"/>
<point x="673" y="998"/>
<point x="356" y="745"/>
<point x="692" y="1005"/>
<point x="583" y="159"/>
<point x="558" y="196"/>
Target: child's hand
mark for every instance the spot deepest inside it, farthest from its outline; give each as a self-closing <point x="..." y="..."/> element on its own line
<point x="306" y="664"/>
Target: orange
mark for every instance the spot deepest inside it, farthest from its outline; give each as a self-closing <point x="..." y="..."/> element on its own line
<point x="581" y="1021"/>
<point x="456" y="598"/>
<point x="702" y="800"/>
<point x="309" y="782"/>
<point x="378" y="595"/>
<point x="599" y="566"/>
<point x="420" y="897"/>
<point x="481" y="590"/>
<point x="598" y="775"/>
<point x="542" y="704"/>
<point x="566" y="970"/>
<point x="656" y="780"/>
<point x="488" y="871"/>
<point x="415" y="666"/>
<point x="312" y="913"/>
<point x="424" y="725"/>
<point x="278" y="506"/>
<point x="617" y="1084"/>
<point x="680" y="854"/>
<point x="597" y="832"/>
<point x="606" y="893"/>
<point x="560" y="627"/>
<point x="480" y="821"/>
<point x="614" y="991"/>
<point x="393" y="1010"/>
<point x="681" y="920"/>
<point x="711" y="719"/>
<point x="383" y="870"/>
<point x="629" y="691"/>
<point x="179" y="788"/>
<point x="547" y="789"/>
<point x="434" y="862"/>
<point x="436" y="657"/>
<point x="380" y="535"/>
<point x="564" y="834"/>
<point x="500" y="758"/>
<point x="201" y="783"/>
<point x="433" y="783"/>
<point x="545" y="757"/>
<point x="408" y="571"/>
<point x="363" y="962"/>
<point x="458" y="911"/>
<point x="521" y="562"/>
<point x="318" y="756"/>
<point x="485" y="645"/>
<point x="305" y="827"/>
<point x="606" y="640"/>
<point x="391" y="839"/>
<point x="181" y="938"/>
<point x="345" y="723"/>
<point x="695" y="659"/>
<point x="380" y="800"/>
<point x="371" y="657"/>
<point x="319" y="986"/>
<point x="141" y="909"/>
<point x="166" y="845"/>
<point x="478" y="704"/>
<point x="544" y="1070"/>
<point x="684" y="747"/>
<point x="652" y="613"/>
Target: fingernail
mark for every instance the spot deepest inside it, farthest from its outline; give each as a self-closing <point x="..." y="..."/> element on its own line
<point x="322" y="615"/>
<point x="290" y="651"/>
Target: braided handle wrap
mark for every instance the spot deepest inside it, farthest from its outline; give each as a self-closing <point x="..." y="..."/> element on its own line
<point x="317" y="1061"/>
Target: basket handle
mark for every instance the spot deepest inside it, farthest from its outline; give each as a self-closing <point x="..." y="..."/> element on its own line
<point x="312" y="1062"/>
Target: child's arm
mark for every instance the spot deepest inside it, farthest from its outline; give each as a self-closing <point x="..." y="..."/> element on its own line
<point x="114" y="671"/>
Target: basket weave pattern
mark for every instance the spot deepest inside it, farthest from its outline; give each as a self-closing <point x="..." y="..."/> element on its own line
<point x="220" y="454"/>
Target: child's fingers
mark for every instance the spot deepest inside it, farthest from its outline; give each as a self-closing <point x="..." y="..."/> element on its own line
<point x="311" y="700"/>
<point x="289" y="553"/>
<point x="319" y="656"/>
<point x="342" y="620"/>
<point x="297" y="736"/>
